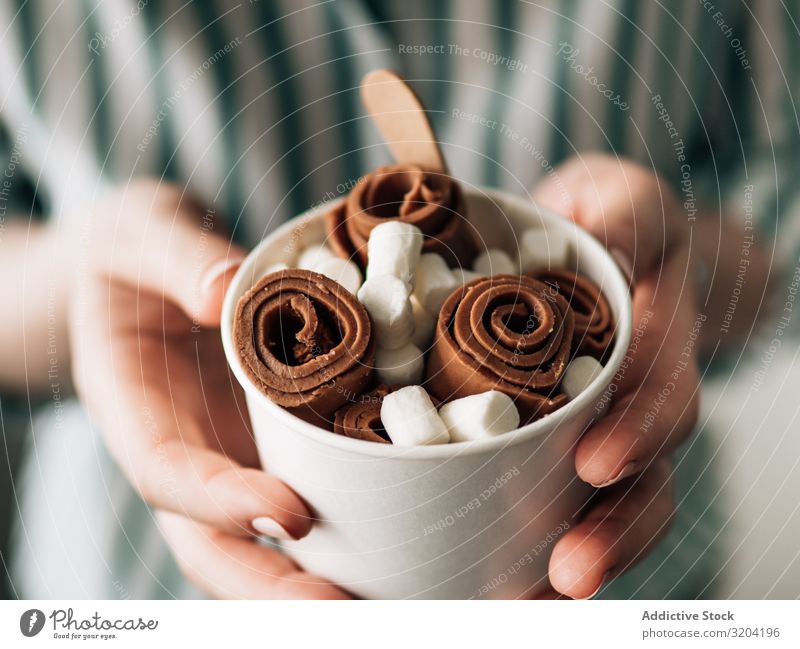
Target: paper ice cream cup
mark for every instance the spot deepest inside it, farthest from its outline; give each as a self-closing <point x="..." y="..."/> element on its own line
<point x="468" y="520"/>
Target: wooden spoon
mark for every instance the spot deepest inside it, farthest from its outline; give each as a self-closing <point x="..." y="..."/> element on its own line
<point x="401" y="119"/>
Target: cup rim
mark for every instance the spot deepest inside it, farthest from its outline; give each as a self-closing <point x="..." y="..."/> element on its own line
<point x="542" y="426"/>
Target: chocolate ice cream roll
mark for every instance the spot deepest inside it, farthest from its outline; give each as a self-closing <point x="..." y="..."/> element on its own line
<point x="594" y="322"/>
<point x="361" y="419"/>
<point x="306" y="341"/>
<point x="509" y="333"/>
<point x="431" y="201"/>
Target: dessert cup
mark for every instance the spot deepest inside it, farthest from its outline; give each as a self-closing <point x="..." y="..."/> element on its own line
<point x="466" y="520"/>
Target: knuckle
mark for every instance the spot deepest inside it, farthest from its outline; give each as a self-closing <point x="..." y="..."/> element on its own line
<point x="152" y="192"/>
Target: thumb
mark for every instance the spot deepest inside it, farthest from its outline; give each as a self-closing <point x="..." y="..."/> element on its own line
<point x="628" y="207"/>
<point x="154" y="237"/>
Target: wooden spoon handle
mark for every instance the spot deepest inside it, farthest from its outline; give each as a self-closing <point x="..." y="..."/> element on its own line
<point x="401" y="119"/>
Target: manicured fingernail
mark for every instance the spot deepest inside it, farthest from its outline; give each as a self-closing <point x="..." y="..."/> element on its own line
<point x="603" y="581"/>
<point x="623" y="261"/>
<point x="628" y="470"/>
<point x="217" y="270"/>
<point x="270" y="527"/>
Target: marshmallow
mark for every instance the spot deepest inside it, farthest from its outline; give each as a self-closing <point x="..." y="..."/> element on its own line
<point x="402" y="366"/>
<point x="393" y="249"/>
<point x="539" y="248"/>
<point x="274" y="268"/>
<point x="311" y="258"/>
<point x="464" y="276"/>
<point x="424" y="325"/>
<point x="478" y="416"/>
<point x="410" y="418"/>
<point x="343" y="271"/>
<point x="386" y="299"/>
<point x="434" y="282"/>
<point x="579" y="375"/>
<point x="495" y="262"/>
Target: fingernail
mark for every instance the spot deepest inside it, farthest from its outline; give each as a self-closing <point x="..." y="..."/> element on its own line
<point x="217" y="270"/>
<point x="270" y="527"/>
<point x="629" y="469"/>
<point x="603" y="581"/>
<point x="623" y="261"/>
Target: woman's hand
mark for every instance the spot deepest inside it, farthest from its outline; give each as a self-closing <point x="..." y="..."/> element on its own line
<point x="149" y="366"/>
<point x="636" y="215"/>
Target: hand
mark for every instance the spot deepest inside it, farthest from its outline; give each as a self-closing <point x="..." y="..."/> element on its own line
<point x="149" y="366"/>
<point x="626" y="454"/>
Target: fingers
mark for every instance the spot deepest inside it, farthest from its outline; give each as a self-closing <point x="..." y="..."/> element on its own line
<point x="155" y="238"/>
<point x="168" y="412"/>
<point x="655" y="405"/>
<point x="230" y="567"/>
<point x="208" y="487"/>
<point x="633" y="212"/>
<point x="623" y="527"/>
<point x="169" y="464"/>
<point x="628" y="207"/>
<point x="148" y="383"/>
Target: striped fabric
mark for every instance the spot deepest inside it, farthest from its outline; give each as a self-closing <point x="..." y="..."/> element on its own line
<point x="255" y="107"/>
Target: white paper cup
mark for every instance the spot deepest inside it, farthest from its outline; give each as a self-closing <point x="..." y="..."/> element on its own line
<point x="467" y="520"/>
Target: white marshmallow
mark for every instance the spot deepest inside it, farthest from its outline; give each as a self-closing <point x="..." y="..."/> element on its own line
<point x="274" y="268"/>
<point x="393" y="249"/>
<point x="478" y="416"/>
<point x="424" y="325"/>
<point x="386" y="299"/>
<point x="434" y="282"/>
<point x="495" y="262"/>
<point x="311" y="258"/>
<point x="343" y="271"/>
<point x="539" y="248"/>
<point x="464" y="276"/>
<point x="579" y="375"/>
<point x="410" y="418"/>
<point x="403" y="366"/>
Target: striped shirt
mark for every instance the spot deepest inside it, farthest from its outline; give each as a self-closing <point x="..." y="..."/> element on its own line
<point x="255" y="107"/>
